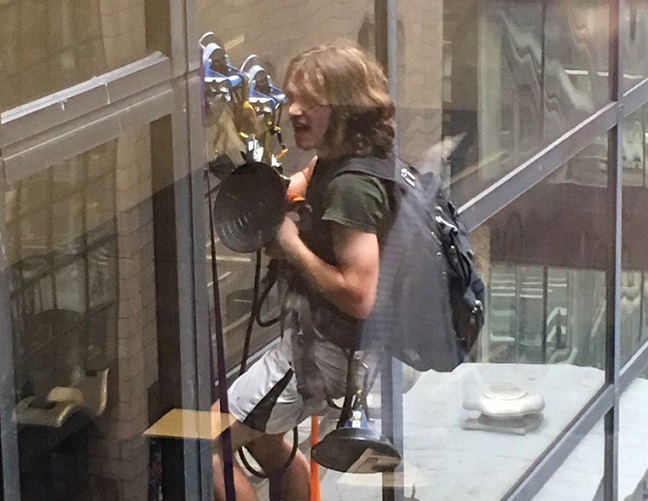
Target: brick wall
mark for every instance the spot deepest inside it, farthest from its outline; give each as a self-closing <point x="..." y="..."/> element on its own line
<point x="119" y="452"/>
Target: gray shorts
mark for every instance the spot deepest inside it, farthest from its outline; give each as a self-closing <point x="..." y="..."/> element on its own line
<point x="266" y="396"/>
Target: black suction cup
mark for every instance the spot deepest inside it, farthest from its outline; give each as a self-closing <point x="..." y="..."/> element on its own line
<point x="250" y="206"/>
<point x="356" y="450"/>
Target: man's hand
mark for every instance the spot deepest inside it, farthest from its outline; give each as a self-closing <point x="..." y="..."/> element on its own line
<point x="285" y="241"/>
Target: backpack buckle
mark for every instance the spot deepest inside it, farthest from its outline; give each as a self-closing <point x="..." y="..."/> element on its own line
<point x="408" y="176"/>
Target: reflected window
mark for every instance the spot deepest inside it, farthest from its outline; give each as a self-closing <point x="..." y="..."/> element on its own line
<point x="63" y="268"/>
<point x="634" y="329"/>
<point x="517" y="75"/>
<point x="64" y="294"/>
<point x="634" y="40"/>
<point x="547" y="278"/>
<point x="50" y="46"/>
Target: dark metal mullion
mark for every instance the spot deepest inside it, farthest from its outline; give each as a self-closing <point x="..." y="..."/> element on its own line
<point x="193" y="347"/>
<point x="614" y="259"/>
<point x="641" y="305"/>
<point x="613" y="313"/>
<point x="195" y="150"/>
<point x="186" y="59"/>
<point x="8" y="430"/>
<point x="50" y="256"/>
<point x="545" y="312"/>
<point x="85" y="253"/>
<point x="386" y="35"/>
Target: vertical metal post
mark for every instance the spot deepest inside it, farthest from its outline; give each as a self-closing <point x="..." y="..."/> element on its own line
<point x="197" y="161"/>
<point x="391" y="401"/>
<point x="614" y="267"/>
<point x="8" y="430"/>
<point x="545" y="312"/>
<point x="386" y="14"/>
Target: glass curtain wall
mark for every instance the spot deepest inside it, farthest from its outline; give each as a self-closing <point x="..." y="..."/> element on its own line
<point x="82" y="382"/>
<point x="104" y="228"/>
<point x="83" y="312"/>
<point x="581" y="475"/>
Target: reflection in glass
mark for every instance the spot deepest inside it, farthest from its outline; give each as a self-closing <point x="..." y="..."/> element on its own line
<point x="634" y="324"/>
<point x="633" y="149"/>
<point x="64" y="315"/>
<point x="275" y="32"/>
<point x="52" y="45"/>
<point x="581" y="475"/>
<point x="542" y="351"/>
<point x="576" y="48"/>
<point x="634" y="40"/>
<point x="633" y="459"/>
<point x="516" y="76"/>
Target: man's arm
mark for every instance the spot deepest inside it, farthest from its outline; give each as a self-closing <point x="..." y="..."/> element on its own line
<point x="351" y="284"/>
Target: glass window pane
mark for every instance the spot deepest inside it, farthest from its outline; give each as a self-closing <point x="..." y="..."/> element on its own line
<point x="516" y="75"/>
<point x="634" y="40"/>
<point x="633" y="460"/>
<point x="634" y="291"/>
<point x="64" y="298"/>
<point x="52" y="45"/>
<point x="543" y="259"/>
<point x="275" y="33"/>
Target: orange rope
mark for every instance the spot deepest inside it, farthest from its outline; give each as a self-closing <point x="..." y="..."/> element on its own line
<point x="314" y="467"/>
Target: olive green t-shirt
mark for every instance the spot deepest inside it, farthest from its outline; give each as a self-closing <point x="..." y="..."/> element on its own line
<point x="359" y="201"/>
<point x="352" y="199"/>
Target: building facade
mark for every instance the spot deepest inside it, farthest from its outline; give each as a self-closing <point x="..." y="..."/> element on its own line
<point x="534" y="111"/>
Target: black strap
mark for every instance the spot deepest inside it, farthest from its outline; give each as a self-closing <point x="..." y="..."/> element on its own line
<point x="255" y="306"/>
<point x="255" y="314"/>
<point x="219" y="373"/>
<point x="351" y="390"/>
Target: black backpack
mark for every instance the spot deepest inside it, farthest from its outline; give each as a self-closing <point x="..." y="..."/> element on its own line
<point x="429" y="306"/>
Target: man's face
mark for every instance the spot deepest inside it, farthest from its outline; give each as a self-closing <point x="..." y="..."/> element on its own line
<point x="310" y="121"/>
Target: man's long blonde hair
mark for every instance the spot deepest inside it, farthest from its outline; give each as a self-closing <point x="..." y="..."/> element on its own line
<point x="351" y="82"/>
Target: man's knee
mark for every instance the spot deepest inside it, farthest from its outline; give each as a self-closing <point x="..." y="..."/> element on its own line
<point x="240" y="434"/>
<point x="270" y="451"/>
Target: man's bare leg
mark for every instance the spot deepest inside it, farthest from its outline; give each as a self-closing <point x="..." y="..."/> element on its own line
<point x="272" y="452"/>
<point x="241" y="435"/>
<point x="242" y="486"/>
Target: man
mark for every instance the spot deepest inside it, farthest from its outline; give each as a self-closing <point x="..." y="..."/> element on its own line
<point x="340" y="108"/>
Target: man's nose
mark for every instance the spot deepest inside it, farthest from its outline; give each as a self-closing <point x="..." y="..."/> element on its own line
<point x="295" y="108"/>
